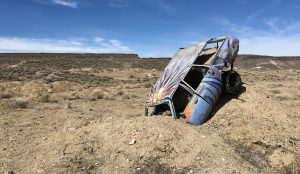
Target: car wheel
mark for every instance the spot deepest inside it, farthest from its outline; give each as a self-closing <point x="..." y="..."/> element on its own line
<point x="232" y="82"/>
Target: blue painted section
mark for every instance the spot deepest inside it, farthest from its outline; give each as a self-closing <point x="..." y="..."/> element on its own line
<point x="200" y="112"/>
<point x="209" y="92"/>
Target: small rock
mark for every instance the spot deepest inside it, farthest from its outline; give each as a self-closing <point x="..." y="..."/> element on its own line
<point x="26" y="124"/>
<point x="198" y="158"/>
<point x="86" y="123"/>
<point x="141" y="155"/>
<point x="44" y="138"/>
<point x="40" y="171"/>
<point x="72" y="128"/>
<point x="138" y="169"/>
<point x="12" y="139"/>
<point x="191" y="171"/>
<point x="132" y="142"/>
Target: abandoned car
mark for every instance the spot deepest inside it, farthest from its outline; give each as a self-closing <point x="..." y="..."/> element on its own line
<point x="194" y="79"/>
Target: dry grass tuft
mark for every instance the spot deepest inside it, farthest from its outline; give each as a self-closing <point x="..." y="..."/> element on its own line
<point x="96" y="95"/>
<point x="45" y="98"/>
<point x="125" y="97"/>
<point x="4" y="93"/>
<point x="120" y="93"/>
<point x="72" y="96"/>
<point x="275" y="91"/>
<point x="148" y="85"/>
<point x="19" y="103"/>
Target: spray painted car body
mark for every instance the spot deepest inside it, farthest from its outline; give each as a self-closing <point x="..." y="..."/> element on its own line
<point x="193" y="81"/>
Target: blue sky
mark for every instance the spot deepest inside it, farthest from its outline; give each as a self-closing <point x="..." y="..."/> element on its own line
<point x="148" y="27"/>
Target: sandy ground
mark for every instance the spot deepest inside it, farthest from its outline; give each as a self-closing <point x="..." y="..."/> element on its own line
<point x="90" y="120"/>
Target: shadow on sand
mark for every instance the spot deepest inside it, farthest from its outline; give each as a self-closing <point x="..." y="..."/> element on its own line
<point x="225" y="98"/>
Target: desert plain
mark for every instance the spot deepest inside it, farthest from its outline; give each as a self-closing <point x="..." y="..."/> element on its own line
<point x="73" y="113"/>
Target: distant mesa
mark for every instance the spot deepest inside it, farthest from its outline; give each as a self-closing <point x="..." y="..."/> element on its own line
<point x="244" y="61"/>
<point x="69" y="55"/>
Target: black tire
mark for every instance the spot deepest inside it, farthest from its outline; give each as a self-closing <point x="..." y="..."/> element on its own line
<point x="231" y="82"/>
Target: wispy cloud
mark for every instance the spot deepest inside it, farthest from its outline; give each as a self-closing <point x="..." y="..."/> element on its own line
<point x="17" y="44"/>
<point x="66" y="3"/>
<point x="260" y="11"/>
<point x="270" y="45"/>
<point x="277" y="37"/>
<point x="253" y="15"/>
<point x="228" y="25"/>
<point x="98" y="39"/>
<point x="283" y="26"/>
<point x="165" y="6"/>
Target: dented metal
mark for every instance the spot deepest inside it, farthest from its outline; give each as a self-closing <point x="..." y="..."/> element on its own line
<point x="192" y="82"/>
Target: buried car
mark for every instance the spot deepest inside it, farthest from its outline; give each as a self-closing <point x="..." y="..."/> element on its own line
<point x="194" y="79"/>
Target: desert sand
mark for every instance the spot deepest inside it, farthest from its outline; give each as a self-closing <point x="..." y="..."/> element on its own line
<point x="81" y="114"/>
